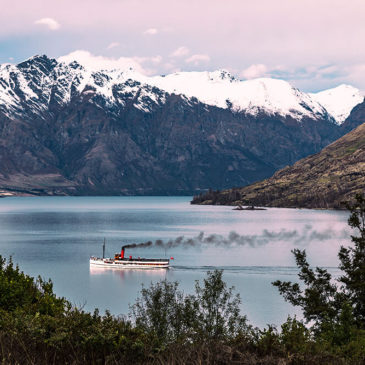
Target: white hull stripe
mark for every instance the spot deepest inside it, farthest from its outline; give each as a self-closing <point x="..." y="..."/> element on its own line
<point x="130" y="264"/>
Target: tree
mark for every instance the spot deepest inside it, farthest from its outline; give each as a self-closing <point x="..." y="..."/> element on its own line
<point x="213" y="313"/>
<point x="218" y="309"/>
<point x="322" y="300"/>
<point x="18" y="290"/>
<point x="162" y="310"/>
<point x="353" y="262"/>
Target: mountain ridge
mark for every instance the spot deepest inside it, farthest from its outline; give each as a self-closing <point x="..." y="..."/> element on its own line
<point x="217" y="88"/>
<point x="68" y="130"/>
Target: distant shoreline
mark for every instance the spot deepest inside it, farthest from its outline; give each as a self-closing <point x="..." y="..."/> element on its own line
<point x="4" y="194"/>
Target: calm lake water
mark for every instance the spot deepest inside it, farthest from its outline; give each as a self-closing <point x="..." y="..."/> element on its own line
<point x="55" y="236"/>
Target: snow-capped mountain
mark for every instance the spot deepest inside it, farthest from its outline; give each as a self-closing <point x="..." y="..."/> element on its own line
<point x="68" y="127"/>
<point x="339" y="101"/>
<point x="61" y="79"/>
<point x="39" y="82"/>
<point x="221" y="89"/>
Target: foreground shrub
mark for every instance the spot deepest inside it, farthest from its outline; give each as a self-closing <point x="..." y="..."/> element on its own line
<point x="19" y="290"/>
<point x="212" y="313"/>
<point x="336" y="307"/>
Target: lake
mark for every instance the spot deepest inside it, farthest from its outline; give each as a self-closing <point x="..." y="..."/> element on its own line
<point x="55" y="236"/>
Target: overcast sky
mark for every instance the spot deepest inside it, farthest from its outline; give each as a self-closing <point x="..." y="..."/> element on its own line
<point x="314" y="44"/>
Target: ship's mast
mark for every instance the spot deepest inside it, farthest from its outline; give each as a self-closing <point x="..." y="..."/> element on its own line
<point x="104" y="248"/>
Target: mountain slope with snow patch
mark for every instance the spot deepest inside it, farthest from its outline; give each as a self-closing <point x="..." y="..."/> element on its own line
<point x="221" y="89"/>
<point x="339" y="101"/>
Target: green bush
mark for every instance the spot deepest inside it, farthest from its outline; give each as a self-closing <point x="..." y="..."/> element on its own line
<point x="336" y="307"/>
<point x="22" y="291"/>
<point x="212" y="313"/>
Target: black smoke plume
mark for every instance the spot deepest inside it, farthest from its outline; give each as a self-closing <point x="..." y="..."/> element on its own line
<point x="307" y="235"/>
<point x="134" y="245"/>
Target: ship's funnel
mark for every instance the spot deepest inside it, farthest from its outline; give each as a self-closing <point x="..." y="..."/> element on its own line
<point x="122" y="253"/>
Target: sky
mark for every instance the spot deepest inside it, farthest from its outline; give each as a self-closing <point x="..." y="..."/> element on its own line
<point x="313" y="44"/>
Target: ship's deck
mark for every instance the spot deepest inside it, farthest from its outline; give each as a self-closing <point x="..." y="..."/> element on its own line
<point x="130" y="263"/>
<point x="127" y="260"/>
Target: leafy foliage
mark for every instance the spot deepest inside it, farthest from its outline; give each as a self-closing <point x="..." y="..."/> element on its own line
<point x="21" y="291"/>
<point x="320" y="300"/>
<point x="335" y="307"/>
<point x="218" y="310"/>
<point x="212" y="313"/>
<point x="163" y="311"/>
<point x="353" y="262"/>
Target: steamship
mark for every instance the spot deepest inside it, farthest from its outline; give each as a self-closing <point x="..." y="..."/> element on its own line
<point x="121" y="262"/>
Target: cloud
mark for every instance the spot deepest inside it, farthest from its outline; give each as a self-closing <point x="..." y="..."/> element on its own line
<point x="318" y="77"/>
<point x="151" y="31"/>
<point x="170" y="67"/>
<point x="356" y="72"/>
<point x="143" y="65"/>
<point x="196" y="59"/>
<point x="51" y="23"/>
<point x="96" y="63"/>
<point x="156" y="59"/>
<point x="254" y="71"/>
<point x="293" y="34"/>
<point x="113" y="45"/>
<point x="180" y="52"/>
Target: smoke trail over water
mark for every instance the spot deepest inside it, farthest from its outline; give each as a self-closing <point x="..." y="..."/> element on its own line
<point x="306" y="236"/>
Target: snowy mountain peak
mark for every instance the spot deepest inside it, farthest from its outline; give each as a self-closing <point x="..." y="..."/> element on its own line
<point x="221" y="74"/>
<point x="37" y="82"/>
<point x="36" y="57"/>
<point x="339" y="101"/>
<point x="38" y="61"/>
<point x="267" y="95"/>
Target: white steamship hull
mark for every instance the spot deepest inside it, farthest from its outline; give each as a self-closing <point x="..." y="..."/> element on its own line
<point x="130" y="263"/>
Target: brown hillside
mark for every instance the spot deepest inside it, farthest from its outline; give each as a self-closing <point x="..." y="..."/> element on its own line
<point x="323" y="180"/>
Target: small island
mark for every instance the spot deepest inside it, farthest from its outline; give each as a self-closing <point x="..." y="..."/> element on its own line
<point x="240" y="207"/>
